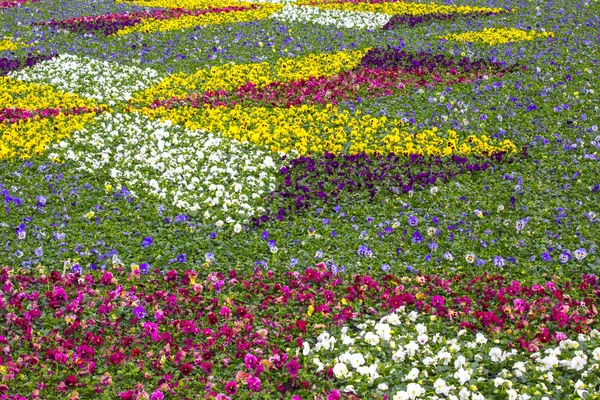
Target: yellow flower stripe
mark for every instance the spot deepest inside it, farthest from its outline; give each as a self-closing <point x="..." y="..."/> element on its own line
<point x="494" y="36"/>
<point x="33" y="96"/>
<point x="309" y="129"/>
<point x="185" y="22"/>
<point x="187" y="4"/>
<point x="231" y="76"/>
<point x="26" y="139"/>
<point x="8" y="44"/>
<point x="402" y="8"/>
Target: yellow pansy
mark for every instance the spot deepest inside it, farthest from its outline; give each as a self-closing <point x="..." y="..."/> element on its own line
<point x="8" y="44"/>
<point x="189" y="21"/>
<point x="231" y="76"/>
<point x="494" y="36"/>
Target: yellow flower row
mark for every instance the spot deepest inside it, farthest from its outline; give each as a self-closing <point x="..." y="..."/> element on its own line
<point x="309" y="129"/>
<point x="8" y="44"/>
<point x="185" y="22"/>
<point x="33" y="96"/>
<point x="494" y="36"/>
<point x="26" y="139"/>
<point x="402" y="8"/>
<point x="188" y="4"/>
<point x="231" y="76"/>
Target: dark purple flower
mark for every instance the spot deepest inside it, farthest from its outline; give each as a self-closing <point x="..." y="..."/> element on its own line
<point x="144" y="268"/>
<point x="417" y="237"/>
<point x="147" y="241"/>
<point x="293" y="367"/>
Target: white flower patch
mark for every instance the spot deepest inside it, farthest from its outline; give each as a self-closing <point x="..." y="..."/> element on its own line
<point x="338" y="18"/>
<point x="194" y="170"/>
<point x="400" y="355"/>
<point x="101" y="80"/>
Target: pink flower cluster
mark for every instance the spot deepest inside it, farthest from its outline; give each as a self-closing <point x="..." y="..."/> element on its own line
<point x="110" y="23"/>
<point x="348" y="85"/>
<point x="13" y="115"/>
<point x="15" y="3"/>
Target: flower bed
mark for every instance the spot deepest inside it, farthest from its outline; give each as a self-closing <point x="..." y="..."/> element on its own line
<point x="299" y="199"/>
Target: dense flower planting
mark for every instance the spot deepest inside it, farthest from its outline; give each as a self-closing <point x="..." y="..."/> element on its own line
<point x="299" y="199"/>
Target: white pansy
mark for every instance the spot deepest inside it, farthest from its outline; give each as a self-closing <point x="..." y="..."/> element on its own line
<point x="371" y="338"/>
<point x="577" y="363"/>
<point x="496" y="354"/>
<point x="340" y="370"/>
<point x="412" y="375"/>
<point x="305" y="348"/>
<point x="596" y="354"/>
<point x="107" y="82"/>
<point x="463" y="375"/>
<point x="383" y="331"/>
<point x="414" y="390"/>
<point x="480" y="338"/>
<point x="421" y="329"/>
<point x="338" y="18"/>
<point x="356" y="360"/>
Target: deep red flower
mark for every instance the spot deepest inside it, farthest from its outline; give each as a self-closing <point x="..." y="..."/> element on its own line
<point x="231" y="388"/>
<point x="117" y="357"/>
<point x="301" y="325"/>
<point x="71" y="380"/>
<point x="128" y="395"/>
<point x="185" y="368"/>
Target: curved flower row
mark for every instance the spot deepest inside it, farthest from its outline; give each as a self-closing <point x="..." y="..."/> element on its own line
<point x="494" y="36"/>
<point x="111" y="23"/>
<point x="90" y="78"/>
<point x="405" y="8"/>
<point x="351" y="85"/>
<point x="15" y="3"/>
<point x="315" y="181"/>
<point x="302" y="129"/>
<point x="190" y="21"/>
<point x="341" y="18"/>
<point x="37" y="115"/>
<point x="401" y="20"/>
<point x="11" y="64"/>
<point x="186" y="4"/>
<point x="9" y="44"/>
<point x="232" y="76"/>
